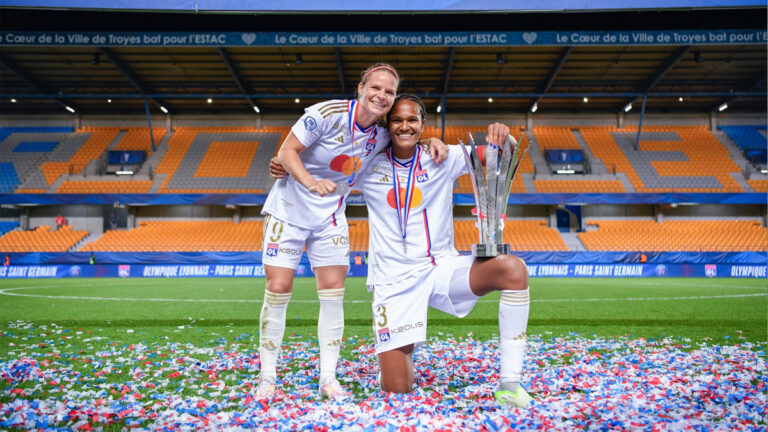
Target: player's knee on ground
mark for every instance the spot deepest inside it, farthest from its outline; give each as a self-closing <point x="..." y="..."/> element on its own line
<point x="397" y="369"/>
<point x="397" y="382"/>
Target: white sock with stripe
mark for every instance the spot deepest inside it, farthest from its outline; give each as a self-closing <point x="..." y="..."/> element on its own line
<point x="330" y="329"/>
<point x="271" y="330"/>
<point x="513" y="321"/>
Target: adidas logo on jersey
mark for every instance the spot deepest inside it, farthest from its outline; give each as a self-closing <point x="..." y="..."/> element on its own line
<point x="384" y="179"/>
<point x="340" y="139"/>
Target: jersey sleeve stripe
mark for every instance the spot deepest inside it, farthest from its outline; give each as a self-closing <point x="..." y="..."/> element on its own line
<point x="334" y="105"/>
<point x="330" y="113"/>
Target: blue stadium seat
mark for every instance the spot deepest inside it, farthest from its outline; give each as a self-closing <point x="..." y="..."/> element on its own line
<point x="6" y="226"/>
<point x="7" y="131"/>
<point x="9" y="180"/>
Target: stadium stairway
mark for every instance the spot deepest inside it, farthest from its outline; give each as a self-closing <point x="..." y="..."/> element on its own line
<point x="540" y="165"/>
<point x="151" y="164"/>
<point x="85" y="240"/>
<point x="573" y="242"/>
<point x="596" y="165"/>
<point x="737" y="154"/>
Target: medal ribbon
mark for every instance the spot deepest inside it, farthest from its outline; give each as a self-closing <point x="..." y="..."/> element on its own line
<point x="402" y="217"/>
<point x="353" y="107"/>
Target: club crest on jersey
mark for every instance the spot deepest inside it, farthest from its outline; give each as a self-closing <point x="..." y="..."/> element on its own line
<point x="370" y="145"/>
<point x="272" y="249"/>
<point x="384" y="334"/>
<point x="309" y="123"/>
<point x="421" y="176"/>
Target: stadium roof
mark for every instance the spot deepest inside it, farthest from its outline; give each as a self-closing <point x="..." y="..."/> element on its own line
<point x="556" y="76"/>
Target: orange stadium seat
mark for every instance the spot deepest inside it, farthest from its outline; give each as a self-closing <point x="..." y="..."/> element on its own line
<point x="706" y="156"/>
<point x="522" y="235"/>
<point x="555" y="138"/>
<point x="579" y="186"/>
<point x="104" y="186"/>
<point x="96" y="144"/>
<point x="217" y="162"/>
<point x="41" y="239"/>
<point x="675" y="235"/>
<point x="759" y="185"/>
<point x="182" y="236"/>
<point x="138" y="139"/>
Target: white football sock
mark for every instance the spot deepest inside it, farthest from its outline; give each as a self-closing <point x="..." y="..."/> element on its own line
<point x="513" y="321"/>
<point x="271" y="329"/>
<point x="330" y="329"/>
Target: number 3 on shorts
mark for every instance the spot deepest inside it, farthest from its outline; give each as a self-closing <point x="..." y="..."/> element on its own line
<point x="381" y="311"/>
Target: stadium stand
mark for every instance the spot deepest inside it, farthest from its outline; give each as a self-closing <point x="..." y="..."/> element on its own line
<point x="579" y="186"/>
<point x="669" y="159"/>
<point x="23" y="150"/>
<point x="182" y="236"/>
<point x="675" y="235"/>
<point x="7" y="226"/>
<point x="96" y="143"/>
<point x="746" y="137"/>
<point x="759" y="185"/>
<point x="138" y="139"/>
<point x="191" y="236"/>
<point x="234" y="159"/>
<point x="358" y="235"/>
<point x="41" y="239"/>
<point x="555" y="138"/>
<point x="105" y="186"/>
<point x="522" y="235"/>
<point x="200" y="160"/>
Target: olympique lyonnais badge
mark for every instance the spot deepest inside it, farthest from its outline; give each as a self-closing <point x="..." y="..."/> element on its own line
<point x="370" y="145"/>
<point x="384" y="334"/>
<point x="421" y="176"/>
<point x="272" y="249"/>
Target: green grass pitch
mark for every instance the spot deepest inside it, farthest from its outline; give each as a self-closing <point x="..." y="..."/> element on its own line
<point x="718" y="311"/>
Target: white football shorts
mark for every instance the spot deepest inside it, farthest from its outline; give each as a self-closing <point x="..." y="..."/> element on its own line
<point x="400" y="309"/>
<point x="283" y="244"/>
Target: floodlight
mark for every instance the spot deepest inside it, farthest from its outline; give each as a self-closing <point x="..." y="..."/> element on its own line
<point x="723" y="107"/>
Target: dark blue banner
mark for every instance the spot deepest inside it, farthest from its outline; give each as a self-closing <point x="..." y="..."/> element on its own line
<point x="565" y="156"/>
<point x="125" y="157"/>
<point x="357" y="199"/>
<point x="255" y="270"/>
<point x="396" y="5"/>
<point x="232" y="258"/>
<point x="366" y="39"/>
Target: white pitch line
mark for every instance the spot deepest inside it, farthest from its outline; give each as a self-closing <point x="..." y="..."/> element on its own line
<point x="8" y="293"/>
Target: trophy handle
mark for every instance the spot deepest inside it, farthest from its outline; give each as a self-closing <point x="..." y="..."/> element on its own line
<point x="481" y="192"/>
<point x="504" y="180"/>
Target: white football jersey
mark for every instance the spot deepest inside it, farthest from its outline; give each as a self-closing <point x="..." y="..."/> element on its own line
<point x="337" y="148"/>
<point x="429" y="227"/>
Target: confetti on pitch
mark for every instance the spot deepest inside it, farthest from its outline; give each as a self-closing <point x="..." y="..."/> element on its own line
<point x="48" y="383"/>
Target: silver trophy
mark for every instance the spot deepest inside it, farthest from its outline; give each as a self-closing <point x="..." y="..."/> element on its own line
<point x="491" y="190"/>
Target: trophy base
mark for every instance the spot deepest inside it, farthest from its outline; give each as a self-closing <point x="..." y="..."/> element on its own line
<point x="490" y="250"/>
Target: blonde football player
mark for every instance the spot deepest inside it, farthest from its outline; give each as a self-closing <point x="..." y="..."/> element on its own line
<point x="413" y="263"/>
<point x="324" y="152"/>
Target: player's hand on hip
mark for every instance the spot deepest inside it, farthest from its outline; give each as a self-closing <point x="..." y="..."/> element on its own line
<point x="438" y="151"/>
<point x="322" y="187"/>
<point x="276" y="169"/>
<point x="497" y="134"/>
